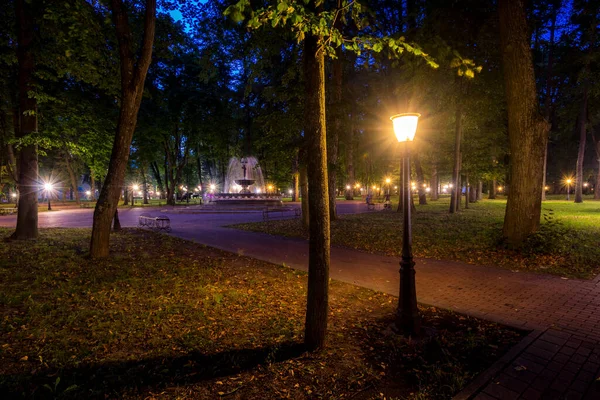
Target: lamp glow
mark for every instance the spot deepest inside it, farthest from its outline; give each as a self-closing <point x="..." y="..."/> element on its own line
<point x="48" y="186"/>
<point x="405" y="126"/>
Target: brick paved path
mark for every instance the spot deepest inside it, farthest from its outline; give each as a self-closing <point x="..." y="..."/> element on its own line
<point x="559" y="360"/>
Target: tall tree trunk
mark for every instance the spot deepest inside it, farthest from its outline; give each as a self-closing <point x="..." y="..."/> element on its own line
<point x="144" y="185"/>
<point x="527" y="129"/>
<point x="27" y="214"/>
<point x="467" y="188"/>
<point x="125" y="197"/>
<point x="334" y="139"/>
<point x="199" y="166"/>
<point x="480" y="190"/>
<point x="581" y="153"/>
<point x="492" y="190"/>
<point x="350" y="161"/>
<point x="455" y="192"/>
<point x="434" y="183"/>
<point x="317" y="306"/>
<point x="93" y="186"/>
<point x="556" y="4"/>
<point x="420" y="180"/>
<point x="596" y="141"/>
<point x="72" y="178"/>
<point x="295" y="176"/>
<point x="133" y="75"/>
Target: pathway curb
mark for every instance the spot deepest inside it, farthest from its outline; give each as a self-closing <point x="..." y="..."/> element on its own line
<point x="483" y="379"/>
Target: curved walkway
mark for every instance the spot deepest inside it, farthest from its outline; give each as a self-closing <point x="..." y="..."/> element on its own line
<point x="560" y="359"/>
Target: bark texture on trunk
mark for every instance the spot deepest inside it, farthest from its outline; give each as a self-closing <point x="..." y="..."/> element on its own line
<point x="581" y="152"/>
<point x="350" y="160"/>
<point x="133" y="75"/>
<point x="527" y="129"/>
<point x="317" y="306"/>
<point x="27" y="185"/>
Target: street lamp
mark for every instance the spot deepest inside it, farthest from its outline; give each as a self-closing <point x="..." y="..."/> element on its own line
<point x="568" y="181"/>
<point x="408" y="319"/>
<point x="48" y="187"/>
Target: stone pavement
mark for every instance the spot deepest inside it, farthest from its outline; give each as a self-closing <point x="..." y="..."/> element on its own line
<point x="560" y="359"/>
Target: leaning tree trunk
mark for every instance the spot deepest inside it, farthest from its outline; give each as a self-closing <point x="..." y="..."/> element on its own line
<point x="133" y="75"/>
<point x="156" y="173"/>
<point x="318" y="200"/>
<point x="581" y="152"/>
<point x="455" y="192"/>
<point x="333" y="141"/>
<point x="527" y="129"/>
<point x="27" y="214"/>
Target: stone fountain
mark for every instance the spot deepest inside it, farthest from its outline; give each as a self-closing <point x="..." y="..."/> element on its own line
<point x="244" y="185"/>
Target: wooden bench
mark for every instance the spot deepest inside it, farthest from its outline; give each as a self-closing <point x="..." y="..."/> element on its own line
<point x="161" y="223"/>
<point x="7" y="211"/>
<point x="282" y="211"/>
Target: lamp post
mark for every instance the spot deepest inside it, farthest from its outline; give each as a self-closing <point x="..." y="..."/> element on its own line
<point x="568" y="181"/>
<point x="408" y="319"/>
<point x="48" y="189"/>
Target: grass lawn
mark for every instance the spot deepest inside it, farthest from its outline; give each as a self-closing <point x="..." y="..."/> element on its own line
<point x="568" y="244"/>
<point x="169" y="318"/>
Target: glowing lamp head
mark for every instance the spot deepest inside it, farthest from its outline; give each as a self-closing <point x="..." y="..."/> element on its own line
<point x="136" y="187"/>
<point x="405" y="126"/>
<point x="13" y="194"/>
<point x="347" y="187"/>
<point x="585" y="184"/>
<point x="428" y="190"/>
<point x="569" y="181"/>
<point x="387" y="180"/>
<point x="48" y="186"/>
<point x="87" y="193"/>
<point x="213" y="186"/>
<point x="290" y="191"/>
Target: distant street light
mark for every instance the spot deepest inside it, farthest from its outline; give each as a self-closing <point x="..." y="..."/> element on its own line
<point x="408" y="319"/>
<point x="568" y="182"/>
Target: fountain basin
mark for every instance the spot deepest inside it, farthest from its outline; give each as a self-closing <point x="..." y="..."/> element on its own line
<point x="247" y="199"/>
